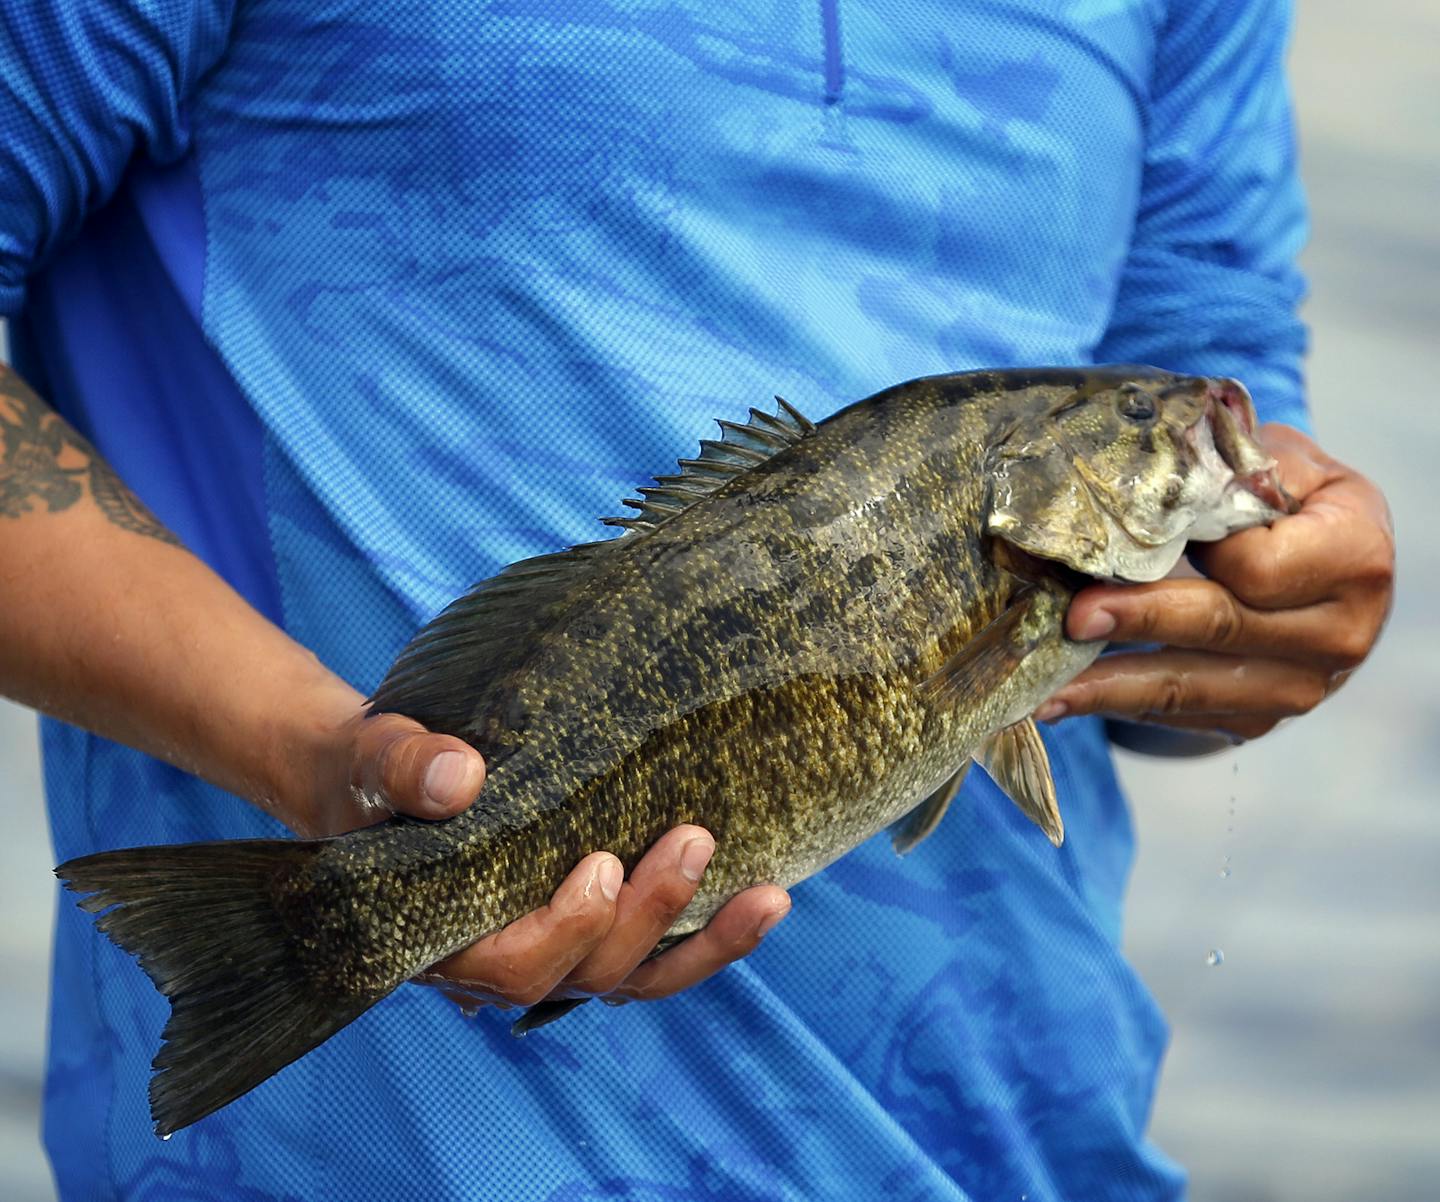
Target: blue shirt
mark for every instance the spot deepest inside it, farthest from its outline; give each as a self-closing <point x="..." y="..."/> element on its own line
<point x="368" y="299"/>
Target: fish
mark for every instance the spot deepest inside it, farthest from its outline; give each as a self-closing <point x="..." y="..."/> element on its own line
<point x="801" y="639"/>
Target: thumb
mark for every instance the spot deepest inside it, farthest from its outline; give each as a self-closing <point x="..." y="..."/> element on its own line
<point x="400" y="763"/>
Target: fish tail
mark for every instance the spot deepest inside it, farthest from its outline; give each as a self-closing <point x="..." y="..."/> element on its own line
<point x="204" y="922"/>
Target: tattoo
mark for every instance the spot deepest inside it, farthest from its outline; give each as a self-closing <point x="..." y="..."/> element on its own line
<point x="45" y="462"/>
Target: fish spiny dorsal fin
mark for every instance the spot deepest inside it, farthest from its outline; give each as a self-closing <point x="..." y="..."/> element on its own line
<point x="738" y="449"/>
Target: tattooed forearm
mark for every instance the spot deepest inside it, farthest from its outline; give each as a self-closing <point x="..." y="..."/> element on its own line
<point x="120" y="505"/>
<point x="46" y="464"/>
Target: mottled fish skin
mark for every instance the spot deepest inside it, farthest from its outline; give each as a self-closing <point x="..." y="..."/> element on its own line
<point x="797" y="641"/>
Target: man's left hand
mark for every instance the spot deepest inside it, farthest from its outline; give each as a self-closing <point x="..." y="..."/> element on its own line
<point x="1284" y="616"/>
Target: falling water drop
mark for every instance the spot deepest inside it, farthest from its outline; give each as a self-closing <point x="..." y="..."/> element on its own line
<point x="469" y="1010"/>
<point x="1215" y="958"/>
<point x="165" y="1139"/>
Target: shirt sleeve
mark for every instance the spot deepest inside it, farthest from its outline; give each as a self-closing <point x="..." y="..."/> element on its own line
<point x="84" y="86"/>
<point x="1210" y="284"/>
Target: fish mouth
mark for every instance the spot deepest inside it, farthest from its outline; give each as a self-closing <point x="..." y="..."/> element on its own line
<point x="1225" y="430"/>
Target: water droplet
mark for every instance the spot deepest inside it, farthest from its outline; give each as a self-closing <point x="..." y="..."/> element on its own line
<point x="165" y="1139"/>
<point x="1215" y="958"/>
<point x="469" y="1011"/>
<point x="1225" y="872"/>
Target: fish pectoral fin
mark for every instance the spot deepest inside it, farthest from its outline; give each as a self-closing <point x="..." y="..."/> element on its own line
<point x="912" y="830"/>
<point x="991" y="656"/>
<point x="1015" y="758"/>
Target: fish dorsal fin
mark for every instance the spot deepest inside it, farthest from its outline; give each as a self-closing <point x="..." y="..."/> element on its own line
<point x="454" y="675"/>
<point x="1016" y="760"/>
<point x="918" y="825"/>
<point x="444" y="676"/>
<point x="737" y="450"/>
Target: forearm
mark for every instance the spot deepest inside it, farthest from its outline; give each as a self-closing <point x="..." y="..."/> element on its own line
<point x="108" y="622"/>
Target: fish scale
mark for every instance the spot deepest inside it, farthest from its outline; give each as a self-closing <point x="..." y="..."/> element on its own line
<point x="802" y="638"/>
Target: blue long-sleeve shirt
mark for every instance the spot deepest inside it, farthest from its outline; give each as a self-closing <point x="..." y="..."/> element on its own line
<point x="367" y="299"/>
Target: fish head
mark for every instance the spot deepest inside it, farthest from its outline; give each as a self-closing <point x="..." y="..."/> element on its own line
<point x="1116" y="477"/>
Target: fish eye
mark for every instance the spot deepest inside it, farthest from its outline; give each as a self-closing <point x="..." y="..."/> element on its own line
<point x="1137" y="407"/>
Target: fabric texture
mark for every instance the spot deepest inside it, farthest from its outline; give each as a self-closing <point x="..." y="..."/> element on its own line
<point x="369" y="299"/>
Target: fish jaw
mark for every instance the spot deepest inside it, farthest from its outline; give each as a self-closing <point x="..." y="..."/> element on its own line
<point x="1223" y="443"/>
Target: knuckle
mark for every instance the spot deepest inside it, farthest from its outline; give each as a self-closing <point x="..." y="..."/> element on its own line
<point x="587" y="922"/>
<point x="1375" y="565"/>
<point x="511" y="982"/>
<point x="1171" y="695"/>
<point x="1306" y="694"/>
<point x="598" y="984"/>
<point x="1222" y="623"/>
<point x="1264" y="580"/>
<point x="1253" y="728"/>
<point x="1141" y="622"/>
<point x="1350" y="644"/>
<point x="665" y="899"/>
<point x="396" y="762"/>
<point x="529" y="994"/>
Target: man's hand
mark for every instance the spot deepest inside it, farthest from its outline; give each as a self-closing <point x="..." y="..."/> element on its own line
<point x="598" y="927"/>
<point x="1286" y="614"/>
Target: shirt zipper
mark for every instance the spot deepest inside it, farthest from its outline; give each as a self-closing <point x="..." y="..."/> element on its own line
<point x="834" y="63"/>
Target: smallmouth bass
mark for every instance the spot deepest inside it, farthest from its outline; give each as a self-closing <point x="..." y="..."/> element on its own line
<point x="804" y="637"/>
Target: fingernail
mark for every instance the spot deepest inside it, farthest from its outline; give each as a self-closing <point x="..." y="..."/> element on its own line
<point x="767" y="924"/>
<point x="1051" y="710"/>
<point x="445" y="779"/>
<point x="609" y="876"/>
<point x="1095" y="625"/>
<point x="694" y="856"/>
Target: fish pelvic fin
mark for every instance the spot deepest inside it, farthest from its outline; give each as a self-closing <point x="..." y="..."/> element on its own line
<point x="204" y="922"/>
<point x="1016" y="760"/>
<point x="920" y="823"/>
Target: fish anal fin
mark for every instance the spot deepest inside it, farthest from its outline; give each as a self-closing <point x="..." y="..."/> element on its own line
<point x="917" y="826"/>
<point x="1016" y="760"/>
<point x="542" y="1014"/>
<point x="550" y="1010"/>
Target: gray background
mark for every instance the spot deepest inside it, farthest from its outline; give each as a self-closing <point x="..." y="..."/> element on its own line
<point x="1307" y="1065"/>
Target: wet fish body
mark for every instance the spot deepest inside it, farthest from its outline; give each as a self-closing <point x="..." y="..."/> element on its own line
<point x="802" y="638"/>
